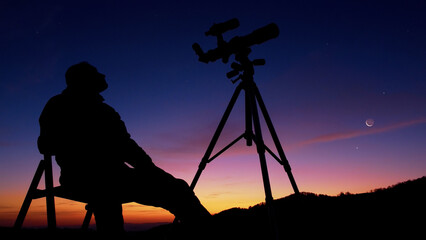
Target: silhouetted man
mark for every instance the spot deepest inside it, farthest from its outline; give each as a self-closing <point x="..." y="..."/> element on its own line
<point x="92" y="145"/>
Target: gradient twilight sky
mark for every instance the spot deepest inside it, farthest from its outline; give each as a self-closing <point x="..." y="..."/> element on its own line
<point x="334" y="65"/>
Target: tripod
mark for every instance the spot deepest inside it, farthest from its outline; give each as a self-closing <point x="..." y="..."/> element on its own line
<point x="252" y="100"/>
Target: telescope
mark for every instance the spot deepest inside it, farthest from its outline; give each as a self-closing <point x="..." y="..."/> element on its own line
<point x="236" y="45"/>
<point x="254" y="104"/>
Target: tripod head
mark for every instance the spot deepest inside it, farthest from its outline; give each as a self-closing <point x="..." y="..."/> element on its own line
<point x="238" y="46"/>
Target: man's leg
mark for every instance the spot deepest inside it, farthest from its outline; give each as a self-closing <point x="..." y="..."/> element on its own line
<point x="105" y="203"/>
<point x="153" y="186"/>
<point x="108" y="217"/>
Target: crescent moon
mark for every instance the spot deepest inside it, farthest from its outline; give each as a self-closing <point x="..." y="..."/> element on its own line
<point x="369" y="122"/>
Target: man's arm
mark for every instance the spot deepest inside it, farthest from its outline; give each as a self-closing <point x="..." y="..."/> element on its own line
<point x="130" y="151"/>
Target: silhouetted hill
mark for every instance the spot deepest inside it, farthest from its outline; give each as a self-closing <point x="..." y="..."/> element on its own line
<point x="396" y="211"/>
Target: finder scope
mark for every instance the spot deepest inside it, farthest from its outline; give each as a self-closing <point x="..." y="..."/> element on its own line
<point x="219" y="28"/>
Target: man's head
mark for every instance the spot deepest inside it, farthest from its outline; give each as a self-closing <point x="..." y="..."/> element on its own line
<point x="84" y="77"/>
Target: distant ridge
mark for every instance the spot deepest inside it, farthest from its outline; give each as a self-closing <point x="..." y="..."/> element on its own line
<point x="399" y="209"/>
<point x="409" y="190"/>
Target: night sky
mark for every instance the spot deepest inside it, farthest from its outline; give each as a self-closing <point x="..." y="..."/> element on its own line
<point x="335" y="65"/>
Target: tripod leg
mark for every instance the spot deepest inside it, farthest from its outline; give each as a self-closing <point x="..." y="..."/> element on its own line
<point x="216" y="135"/>
<point x="249" y="120"/>
<point x="277" y="143"/>
<point x="261" y="151"/>
<point x="260" y="146"/>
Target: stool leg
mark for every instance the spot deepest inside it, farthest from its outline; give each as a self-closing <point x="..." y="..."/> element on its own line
<point x="50" y="198"/>
<point x="87" y="218"/>
<point x="29" y="197"/>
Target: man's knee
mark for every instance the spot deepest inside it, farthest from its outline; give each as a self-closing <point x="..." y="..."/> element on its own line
<point x="182" y="184"/>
